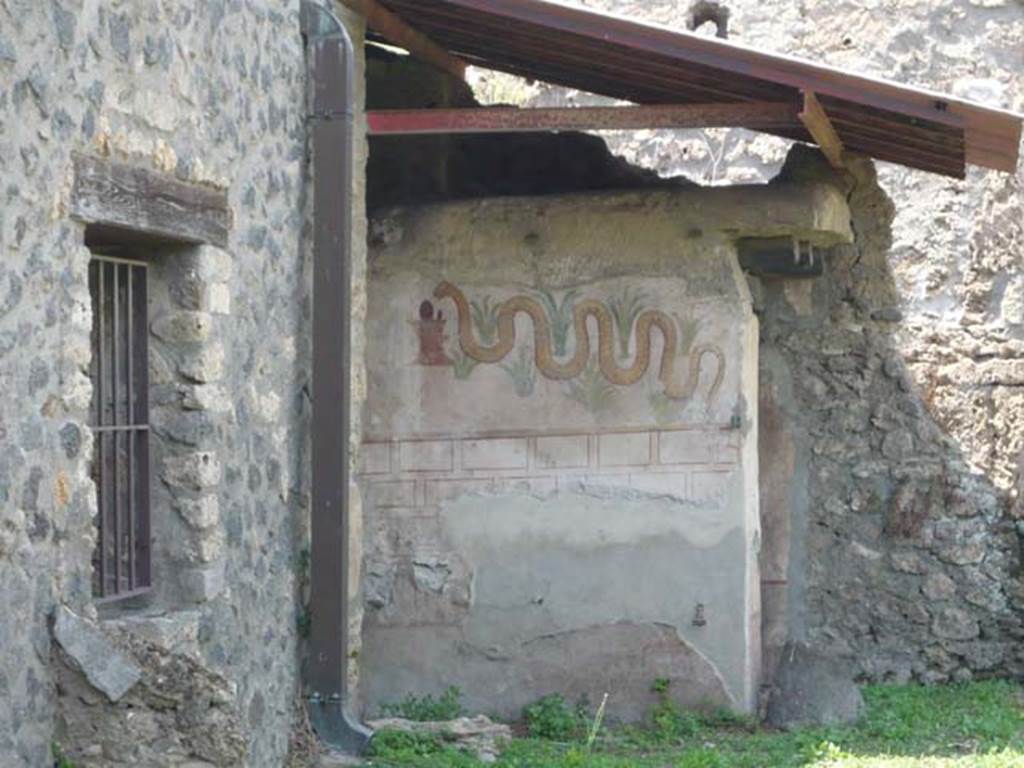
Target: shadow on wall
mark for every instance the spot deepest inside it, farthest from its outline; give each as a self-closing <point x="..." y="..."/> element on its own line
<point x="425" y="169"/>
<point x="880" y="542"/>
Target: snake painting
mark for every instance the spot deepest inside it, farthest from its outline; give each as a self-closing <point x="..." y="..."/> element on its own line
<point x="675" y="388"/>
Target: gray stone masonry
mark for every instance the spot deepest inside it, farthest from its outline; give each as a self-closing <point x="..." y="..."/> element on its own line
<point x="212" y="93"/>
<point x="901" y="555"/>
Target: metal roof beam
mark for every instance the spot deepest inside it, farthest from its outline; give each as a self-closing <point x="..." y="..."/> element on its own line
<point x="756" y="115"/>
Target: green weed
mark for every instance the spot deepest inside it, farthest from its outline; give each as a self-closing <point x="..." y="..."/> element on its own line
<point x="550" y="718"/>
<point x="975" y="725"/>
<point x="422" y="709"/>
<point x="60" y="760"/>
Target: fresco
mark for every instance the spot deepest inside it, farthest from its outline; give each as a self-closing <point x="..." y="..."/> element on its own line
<point x="636" y="350"/>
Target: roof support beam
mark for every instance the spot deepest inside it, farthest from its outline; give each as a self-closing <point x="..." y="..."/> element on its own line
<point x="397" y="31"/>
<point x="410" y="122"/>
<point x="816" y="121"/>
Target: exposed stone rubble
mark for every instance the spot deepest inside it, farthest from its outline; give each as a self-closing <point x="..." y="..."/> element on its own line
<point x="175" y="712"/>
<point x="479" y="735"/>
<point x="906" y="558"/>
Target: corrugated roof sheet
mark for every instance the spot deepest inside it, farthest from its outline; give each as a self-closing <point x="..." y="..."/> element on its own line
<point x="648" y="64"/>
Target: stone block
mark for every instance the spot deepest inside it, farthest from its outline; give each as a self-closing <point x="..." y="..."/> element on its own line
<point x="568" y="452"/>
<point x="478" y="735"/>
<point x="183" y="327"/>
<point x="105" y="667"/>
<point x="207" y="397"/>
<point x="216" y="299"/>
<point x="201" y="513"/>
<point x="897" y="445"/>
<point x="207" y="546"/>
<point x="205" y="366"/>
<point x="426" y="456"/>
<point x="811" y="688"/>
<point x="196" y="471"/>
<point x="624" y="450"/>
<point x="494" y="454"/>
<point x="938" y="586"/>
<point x="963" y="553"/>
<point x="213" y="263"/>
<point x="907" y="562"/>
<point x="202" y="584"/>
<point x="955" y="624"/>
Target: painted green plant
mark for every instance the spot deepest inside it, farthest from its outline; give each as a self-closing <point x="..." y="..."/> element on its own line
<point x="463" y="366"/>
<point x="688" y="327"/>
<point x="560" y="316"/>
<point x="485" y="319"/>
<point x="593" y="391"/>
<point x="626" y="307"/>
<point x="522" y="372"/>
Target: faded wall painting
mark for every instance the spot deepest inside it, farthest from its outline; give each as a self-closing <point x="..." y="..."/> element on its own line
<point x="558" y="469"/>
<point x="553" y="321"/>
<point x="637" y="353"/>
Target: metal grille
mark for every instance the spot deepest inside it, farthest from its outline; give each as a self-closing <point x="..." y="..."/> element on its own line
<point x="120" y="374"/>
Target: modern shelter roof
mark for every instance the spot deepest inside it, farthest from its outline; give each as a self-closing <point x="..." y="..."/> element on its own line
<point x="648" y="64"/>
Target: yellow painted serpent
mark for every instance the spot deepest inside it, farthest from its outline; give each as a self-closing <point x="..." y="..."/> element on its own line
<point x="674" y="389"/>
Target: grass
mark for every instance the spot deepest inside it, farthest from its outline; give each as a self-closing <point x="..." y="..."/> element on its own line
<point x="974" y="725"/>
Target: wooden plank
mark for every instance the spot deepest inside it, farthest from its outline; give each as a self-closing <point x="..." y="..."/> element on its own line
<point x="410" y="122"/>
<point x="392" y="27"/>
<point x="120" y="196"/>
<point x="816" y="122"/>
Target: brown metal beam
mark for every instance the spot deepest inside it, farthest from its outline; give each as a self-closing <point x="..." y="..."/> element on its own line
<point x="755" y="115"/>
<point x="393" y="28"/>
<point x="816" y="121"/>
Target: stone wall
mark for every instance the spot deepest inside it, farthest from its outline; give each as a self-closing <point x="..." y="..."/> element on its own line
<point x="882" y="543"/>
<point x="213" y="94"/>
<point x="561" y="455"/>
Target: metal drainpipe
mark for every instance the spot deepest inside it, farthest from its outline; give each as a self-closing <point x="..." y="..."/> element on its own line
<point x="330" y="64"/>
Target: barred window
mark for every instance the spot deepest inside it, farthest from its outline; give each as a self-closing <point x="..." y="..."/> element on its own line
<point x="120" y="413"/>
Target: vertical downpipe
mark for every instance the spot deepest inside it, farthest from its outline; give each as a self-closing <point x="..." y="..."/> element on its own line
<point x="330" y="66"/>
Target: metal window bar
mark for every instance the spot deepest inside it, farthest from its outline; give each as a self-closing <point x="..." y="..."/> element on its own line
<point x="120" y="371"/>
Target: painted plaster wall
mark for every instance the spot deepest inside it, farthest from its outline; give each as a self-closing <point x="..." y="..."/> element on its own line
<point x="956" y="245"/>
<point x="941" y="296"/>
<point x="213" y="93"/>
<point x="535" y="525"/>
